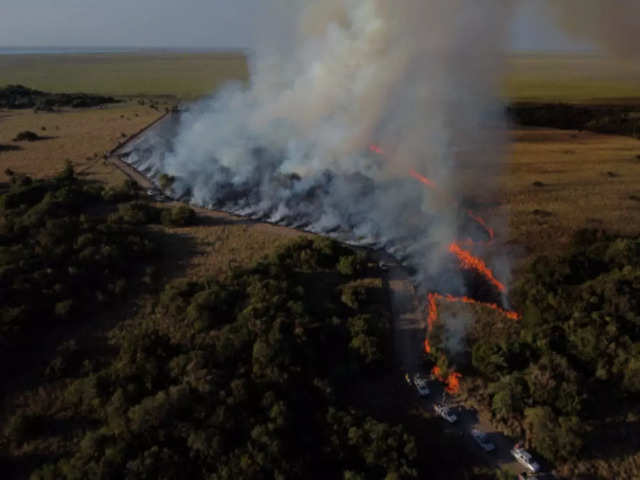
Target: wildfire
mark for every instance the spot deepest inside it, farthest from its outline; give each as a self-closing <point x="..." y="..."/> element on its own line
<point x="422" y="178"/>
<point x="469" y="262"/>
<point x="482" y="223"/>
<point x="508" y="313"/>
<point x="433" y="310"/>
<point x="452" y="381"/>
<point x="376" y="149"/>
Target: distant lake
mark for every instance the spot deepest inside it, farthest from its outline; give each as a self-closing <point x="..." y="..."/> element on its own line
<point x="106" y="50"/>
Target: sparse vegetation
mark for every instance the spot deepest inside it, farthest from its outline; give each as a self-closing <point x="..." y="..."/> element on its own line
<point x="18" y="96"/>
<point x="27" y="136"/>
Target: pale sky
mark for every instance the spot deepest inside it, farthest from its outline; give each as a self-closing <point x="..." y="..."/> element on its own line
<point x="186" y="23"/>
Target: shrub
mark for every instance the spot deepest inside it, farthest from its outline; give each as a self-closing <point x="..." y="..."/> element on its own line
<point x="27" y="136"/>
<point x="180" y="216"/>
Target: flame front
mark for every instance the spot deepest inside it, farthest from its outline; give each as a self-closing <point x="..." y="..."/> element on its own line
<point x="469" y="262"/>
<point x="422" y="178"/>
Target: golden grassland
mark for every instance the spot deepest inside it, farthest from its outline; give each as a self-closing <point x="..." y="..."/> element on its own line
<point x="575" y="78"/>
<point x="557" y="182"/>
<point x="80" y="136"/>
<point x="572" y="79"/>
<point x="185" y="75"/>
<point x="219" y="243"/>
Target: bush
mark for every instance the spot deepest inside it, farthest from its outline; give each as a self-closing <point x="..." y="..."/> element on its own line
<point x="354" y="264"/>
<point x="180" y="216"/>
<point x="27" y="136"/>
<point x="136" y="213"/>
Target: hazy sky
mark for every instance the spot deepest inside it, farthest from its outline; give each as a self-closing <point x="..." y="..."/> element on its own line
<point x="186" y="23"/>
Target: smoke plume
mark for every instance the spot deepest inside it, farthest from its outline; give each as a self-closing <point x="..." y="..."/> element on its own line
<point x="611" y="25"/>
<point x="418" y="78"/>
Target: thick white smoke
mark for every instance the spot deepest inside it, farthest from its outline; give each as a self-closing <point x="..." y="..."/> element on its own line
<point x="417" y="77"/>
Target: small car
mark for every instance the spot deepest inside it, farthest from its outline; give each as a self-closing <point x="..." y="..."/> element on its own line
<point x="421" y="383"/>
<point x="525" y="458"/>
<point x="443" y="412"/>
<point x="482" y="439"/>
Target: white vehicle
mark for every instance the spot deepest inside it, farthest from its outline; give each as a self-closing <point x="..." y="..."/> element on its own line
<point x="525" y="458"/>
<point x="482" y="439"/>
<point x="420" y="381"/>
<point x="443" y="412"/>
<point x="383" y="266"/>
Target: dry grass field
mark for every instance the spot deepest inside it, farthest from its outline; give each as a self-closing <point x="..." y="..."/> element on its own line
<point x="185" y="75"/>
<point x="222" y="242"/>
<point x="555" y="181"/>
<point x="219" y="243"/>
<point x="559" y="181"/>
<point x="81" y="136"/>
<point x="572" y="79"/>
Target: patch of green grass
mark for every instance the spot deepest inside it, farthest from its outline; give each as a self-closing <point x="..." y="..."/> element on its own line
<point x="185" y="75"/>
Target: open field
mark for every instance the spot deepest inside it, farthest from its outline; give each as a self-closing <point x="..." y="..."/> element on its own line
<point x="81" y="136"/>
<point x="559" y="181"/>
<point x="186" y="75"/>
<point x="542" y="78"/>
<point x="572" y="79"/>
<point x="556" y="181"/>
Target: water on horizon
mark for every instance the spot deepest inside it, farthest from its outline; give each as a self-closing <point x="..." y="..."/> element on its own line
<point x="103" y="50"/>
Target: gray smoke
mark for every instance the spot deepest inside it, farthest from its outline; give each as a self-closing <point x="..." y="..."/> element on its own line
<point x="418" y="78"/>
<point x="613" y="25"/>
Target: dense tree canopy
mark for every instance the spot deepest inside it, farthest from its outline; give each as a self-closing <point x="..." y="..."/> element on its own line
<point x="574" y="358"/>
<point x="242" y="377"/>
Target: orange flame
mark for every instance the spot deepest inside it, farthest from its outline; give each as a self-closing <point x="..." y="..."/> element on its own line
<point x="469" y="262"/>
<point x="422" y="179"/>
<point x="482" y="223"/>
<point x="376" y="149"/>
<point x="433" y="310"/>
<point x="429" y="183"/>
<point x="453" y="383"/>
<point x="427" y="345"/>
<point x="508" y="313"/>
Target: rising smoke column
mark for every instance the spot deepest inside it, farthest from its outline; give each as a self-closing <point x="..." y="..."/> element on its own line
<point x="417" y="77"/>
